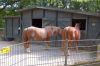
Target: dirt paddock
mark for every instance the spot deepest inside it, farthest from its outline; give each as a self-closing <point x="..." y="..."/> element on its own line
<point x="7" y="43"/>
<point x="39" y="56"/>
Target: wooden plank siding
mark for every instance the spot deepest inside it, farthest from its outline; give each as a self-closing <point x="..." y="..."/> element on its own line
<point x="12" y="23"/>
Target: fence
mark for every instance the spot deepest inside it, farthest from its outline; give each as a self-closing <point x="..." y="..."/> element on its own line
<point x="88" y="54"/>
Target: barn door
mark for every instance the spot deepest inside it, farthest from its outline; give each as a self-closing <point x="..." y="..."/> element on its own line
<point x="15" y="28"/>
<point x="9" y="29"/>
<point x="93" y="31"/>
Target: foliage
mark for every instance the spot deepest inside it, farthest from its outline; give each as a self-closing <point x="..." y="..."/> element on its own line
<point x="9" y="7"/>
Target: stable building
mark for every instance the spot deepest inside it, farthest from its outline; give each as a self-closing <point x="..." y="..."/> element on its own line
<point x="44" y="16"/>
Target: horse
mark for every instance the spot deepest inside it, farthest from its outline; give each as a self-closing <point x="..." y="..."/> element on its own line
<point x="38" y="34"/>
<point x="72" y="34"/>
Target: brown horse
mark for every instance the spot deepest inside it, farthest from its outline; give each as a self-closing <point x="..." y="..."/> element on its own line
<point x="72" y="34"/>
<point x="38" y="34"/>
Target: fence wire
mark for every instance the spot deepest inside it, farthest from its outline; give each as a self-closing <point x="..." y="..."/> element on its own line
<point x="88" y="54"/>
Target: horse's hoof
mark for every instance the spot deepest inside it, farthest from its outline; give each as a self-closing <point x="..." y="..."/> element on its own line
<point x="28" y="50"/>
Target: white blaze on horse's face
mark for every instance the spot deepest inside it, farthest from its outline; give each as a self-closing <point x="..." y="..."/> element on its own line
<point x="54" y="29"/>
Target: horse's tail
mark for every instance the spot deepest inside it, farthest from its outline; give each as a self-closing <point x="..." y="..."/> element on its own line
<point x="67" y="30"/>
<point x="78" y="34"/>
<point x="24" y="35"/>
<point x="64" y="36"/>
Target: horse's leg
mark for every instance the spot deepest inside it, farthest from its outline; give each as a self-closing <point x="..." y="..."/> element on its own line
<point x="25" y="44"/>
<point x="70" y="37"/>
<point x="28" y="44"/>
<point x="48" y="42"/>
<point x="76" y="43"/>
<point x="70" y="44"/>
<point x="63" y="40"/>
<point x="26" y="41"/>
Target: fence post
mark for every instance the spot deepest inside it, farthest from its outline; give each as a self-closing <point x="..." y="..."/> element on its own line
<point x="66" y="52"/>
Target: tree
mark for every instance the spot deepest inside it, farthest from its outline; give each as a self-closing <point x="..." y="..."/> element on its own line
<point x="9" y="7"/>
<point x="10" y="3"/>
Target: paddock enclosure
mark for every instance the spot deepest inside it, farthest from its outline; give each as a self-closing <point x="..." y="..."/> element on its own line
<point x="54" y="56"/>
<point x="89" y="44"/>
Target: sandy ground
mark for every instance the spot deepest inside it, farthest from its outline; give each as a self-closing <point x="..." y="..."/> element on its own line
<point x="39" y="56"/>
<point x="7" y="43"/>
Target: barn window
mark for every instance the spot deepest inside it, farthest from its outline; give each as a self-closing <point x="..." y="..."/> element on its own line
<point x="82" y="23"/>
<point x="37" y="23"/>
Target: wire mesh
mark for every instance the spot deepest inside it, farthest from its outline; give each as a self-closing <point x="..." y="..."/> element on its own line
<point x="88" y="54"/>
<point x="39" y="56"/>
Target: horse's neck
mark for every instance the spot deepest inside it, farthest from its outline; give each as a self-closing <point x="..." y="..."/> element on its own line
<point x="49" y="31"/>
<point x="77" y="26"/>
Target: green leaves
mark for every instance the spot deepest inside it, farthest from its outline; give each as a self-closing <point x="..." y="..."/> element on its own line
<point x="84" y="5"/>
<point x="8" y="7"/>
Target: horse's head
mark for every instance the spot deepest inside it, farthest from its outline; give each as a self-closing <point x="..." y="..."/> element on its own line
<point x="77" y="25"/>
<point x="56" y="30"/>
